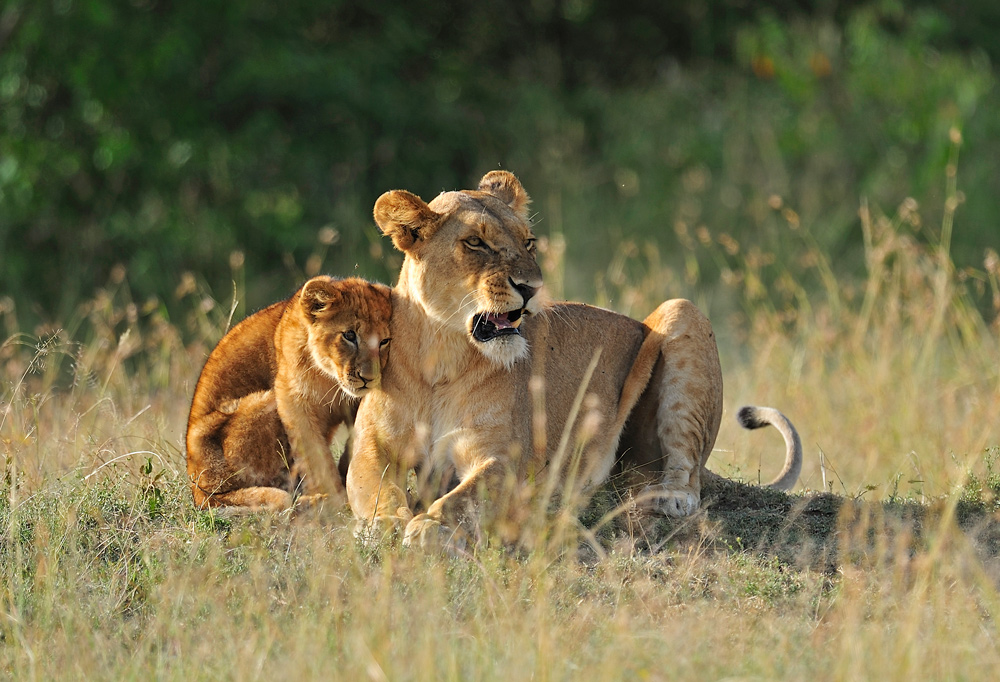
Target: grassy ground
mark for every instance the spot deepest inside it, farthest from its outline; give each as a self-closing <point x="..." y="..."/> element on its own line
<point x="119" y="578"/>
<point x="882" y="565"/>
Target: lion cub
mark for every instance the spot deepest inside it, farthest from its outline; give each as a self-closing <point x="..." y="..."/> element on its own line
<point x="275" y="389"/>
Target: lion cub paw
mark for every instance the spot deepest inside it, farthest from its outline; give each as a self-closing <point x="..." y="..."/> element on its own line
<point x="428" y="533"/>
<point x="310" y="500"/>
<point x="670" y="502"/>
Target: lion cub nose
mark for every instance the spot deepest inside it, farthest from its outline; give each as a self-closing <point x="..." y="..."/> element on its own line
<point x="526" y="291"/>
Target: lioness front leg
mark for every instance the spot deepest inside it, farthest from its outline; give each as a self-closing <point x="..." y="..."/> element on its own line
<point x="376" y="487"/>
<point x="478" y="502"/>
<point x="687" y="389"/>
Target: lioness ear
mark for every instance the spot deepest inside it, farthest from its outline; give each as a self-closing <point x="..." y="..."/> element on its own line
<point x="505" y="187"/>
<point x="404" y="217"/>
<point x="319" y="295"/>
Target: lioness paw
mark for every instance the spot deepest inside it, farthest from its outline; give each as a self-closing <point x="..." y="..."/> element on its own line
<point x="379" y="530"/>
<point x="670" y="502"/>
<point x="428" y="533"/>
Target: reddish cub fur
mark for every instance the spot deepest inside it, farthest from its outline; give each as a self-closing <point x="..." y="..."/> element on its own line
<point x="275" y="389"/>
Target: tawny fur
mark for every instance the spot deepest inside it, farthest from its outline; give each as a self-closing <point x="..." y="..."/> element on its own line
<point x="275" y="389"/>
<point x="495" y="428"/>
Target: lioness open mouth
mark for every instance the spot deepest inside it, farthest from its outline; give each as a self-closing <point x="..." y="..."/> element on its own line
<point x="488" y="326"/>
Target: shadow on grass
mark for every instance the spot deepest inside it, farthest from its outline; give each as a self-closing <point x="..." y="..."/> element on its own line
<point x="811" y="530"/>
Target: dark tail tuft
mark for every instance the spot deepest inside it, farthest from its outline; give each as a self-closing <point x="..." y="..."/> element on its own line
<point x="755" y="417"/>
<point x="750" y="419"/>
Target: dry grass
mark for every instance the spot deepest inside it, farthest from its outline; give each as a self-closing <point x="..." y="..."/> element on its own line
<point x="892" y="377"/>
<point x="107" y="571"/>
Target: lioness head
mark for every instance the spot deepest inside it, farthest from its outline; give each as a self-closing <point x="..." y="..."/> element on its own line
<point x="347" y="322"/>
<point x="470" y="260"/>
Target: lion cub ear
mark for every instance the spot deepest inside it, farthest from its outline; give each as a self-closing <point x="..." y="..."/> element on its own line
<point x="405" y="218"/>
<point x="505" y="187"/>
<point x="319" y="295"/>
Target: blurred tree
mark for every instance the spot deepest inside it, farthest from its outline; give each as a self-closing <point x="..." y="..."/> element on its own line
<point x="166" y="135"/>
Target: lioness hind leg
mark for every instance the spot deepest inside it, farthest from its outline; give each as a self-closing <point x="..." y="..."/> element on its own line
<point x="680" y="410"/>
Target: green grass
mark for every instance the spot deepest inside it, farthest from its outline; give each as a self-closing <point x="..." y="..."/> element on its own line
<point x="733" y="186"/>
<point x="882" y="565"/>
<point x="99" y="583"/>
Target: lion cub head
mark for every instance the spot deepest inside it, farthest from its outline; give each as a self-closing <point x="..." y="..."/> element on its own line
<point x="347" y="330"/>
<point x="470" y="260"/>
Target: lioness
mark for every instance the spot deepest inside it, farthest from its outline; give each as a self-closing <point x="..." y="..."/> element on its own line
<point x="499" y="400"/>
<point x="275" y="389"/>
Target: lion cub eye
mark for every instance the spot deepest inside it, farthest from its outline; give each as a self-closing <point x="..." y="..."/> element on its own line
<point x="350" y="337"/>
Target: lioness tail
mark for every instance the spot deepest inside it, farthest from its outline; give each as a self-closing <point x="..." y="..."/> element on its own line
<point x="751" y="417"/>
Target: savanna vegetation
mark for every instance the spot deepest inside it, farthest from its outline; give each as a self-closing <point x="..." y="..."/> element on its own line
<point x="819" y="177"/>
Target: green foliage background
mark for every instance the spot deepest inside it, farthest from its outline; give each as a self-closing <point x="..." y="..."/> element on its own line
<point x="249" y="140"/>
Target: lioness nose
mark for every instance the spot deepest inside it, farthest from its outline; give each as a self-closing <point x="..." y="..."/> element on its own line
<point x="526" y="290"/>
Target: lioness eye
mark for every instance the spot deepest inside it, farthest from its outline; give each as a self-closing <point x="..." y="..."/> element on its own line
<point x="475" y="242"/>
<point x="351" y="337"/>
<point x="385" y="342"/>
<point x="530" y="244"/>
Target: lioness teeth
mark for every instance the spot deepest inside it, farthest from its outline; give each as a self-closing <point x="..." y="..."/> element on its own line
<point x="487" y="326"/>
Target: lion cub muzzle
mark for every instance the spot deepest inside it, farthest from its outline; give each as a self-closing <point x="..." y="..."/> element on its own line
<point x="366" y="382"/>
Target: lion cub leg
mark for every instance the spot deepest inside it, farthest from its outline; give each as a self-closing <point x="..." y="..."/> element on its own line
<point x="240" y="456"/>
<point x="310" y="428"/>
<point x="684" y="402"/>
<point x="255" y="497"/>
